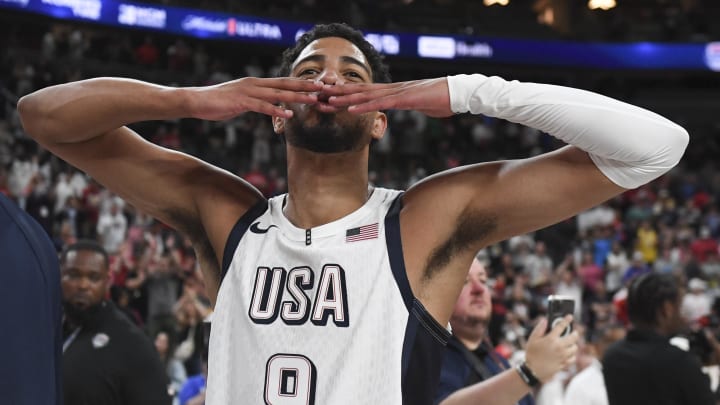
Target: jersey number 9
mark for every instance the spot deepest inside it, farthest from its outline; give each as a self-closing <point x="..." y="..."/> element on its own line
<point x="290" y="380"/>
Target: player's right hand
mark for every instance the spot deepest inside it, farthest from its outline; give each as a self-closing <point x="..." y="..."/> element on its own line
<point x="263" y="95"/>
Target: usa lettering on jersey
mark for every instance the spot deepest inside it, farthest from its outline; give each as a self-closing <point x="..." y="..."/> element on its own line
<point x="273" y="284"/>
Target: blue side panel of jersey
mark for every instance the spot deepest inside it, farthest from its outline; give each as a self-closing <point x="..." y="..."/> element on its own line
<point x="425" y="340"/>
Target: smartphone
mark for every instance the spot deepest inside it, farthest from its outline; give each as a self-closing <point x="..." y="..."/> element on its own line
<point x="558" y="307"/>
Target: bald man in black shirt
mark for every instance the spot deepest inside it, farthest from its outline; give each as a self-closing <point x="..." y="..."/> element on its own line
<point x="106" y="359"/>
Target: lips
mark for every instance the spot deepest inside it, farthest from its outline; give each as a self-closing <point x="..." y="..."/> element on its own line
<point x="327" y="108"/>
<point x="81" y="301"/>
<point x="479" y="303"/>
<point x="324" y="107"/>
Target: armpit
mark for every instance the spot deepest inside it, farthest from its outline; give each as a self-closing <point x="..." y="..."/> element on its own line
<point x="204" y="250"/>
<point x="470" y="230"/>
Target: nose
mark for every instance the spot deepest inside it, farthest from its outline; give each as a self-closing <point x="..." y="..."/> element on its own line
<point x="83" y="283"/>
<point x="478" y="287"/>
<point x="331" y="76"/>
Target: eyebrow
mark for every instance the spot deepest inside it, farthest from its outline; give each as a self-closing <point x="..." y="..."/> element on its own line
<point x="344" y="59"/>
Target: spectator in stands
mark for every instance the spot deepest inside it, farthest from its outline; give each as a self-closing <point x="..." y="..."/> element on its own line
<point x="106" y="359"/>
<point x="587" y="387"/>
<point x="647" y="242"/>
<point x="173" y="367"/>
<point x="704" y="245"/>
<point x="568" y="284"/>
<point x="193" y="391"/>
<point x="590" y="273"/>
<point x="696" y="303"/>
<point x="638" y="267"/>
<point x="473" y="372"/>
<point x="112" y="228"/>
<point x="147" y="54"/>
<point x="71" y="215"/>
<point x="644" y="368"/>
<point x="602" y="245"/>
<point x="538" y="265"/>
<point x="190" y="311"/>
<point x="164" y="287"/>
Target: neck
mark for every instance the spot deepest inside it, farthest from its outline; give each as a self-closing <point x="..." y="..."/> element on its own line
<point x="659" y="329"/>
<point x="471" y="335"/>
<point x="325" y="187"/>
<point x="74" y="318"/>
<point x="70" y="323"/>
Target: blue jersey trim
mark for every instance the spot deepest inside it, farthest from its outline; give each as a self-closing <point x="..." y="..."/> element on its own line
<point x="237" y="232"/>
<point x="395" y="251"/>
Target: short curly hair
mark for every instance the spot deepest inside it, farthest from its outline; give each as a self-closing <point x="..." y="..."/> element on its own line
<point x="646" y="295"/>
<point x="380" y="70"/>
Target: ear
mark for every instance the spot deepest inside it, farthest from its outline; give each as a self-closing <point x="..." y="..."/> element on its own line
<point x="278" y="125"/>
<point x="665" y="312"/>
<point x="108" y="284"/>
<point x="379" y="125"/>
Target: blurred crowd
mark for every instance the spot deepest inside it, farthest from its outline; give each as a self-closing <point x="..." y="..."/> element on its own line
<point x="669" y="226"/>
<point x="648" y="20"/>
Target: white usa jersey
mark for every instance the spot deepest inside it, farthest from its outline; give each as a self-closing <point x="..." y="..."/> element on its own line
<point x="321" y="316"/>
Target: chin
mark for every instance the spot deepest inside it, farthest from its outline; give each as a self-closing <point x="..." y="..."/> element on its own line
<point x="325" y="137"/>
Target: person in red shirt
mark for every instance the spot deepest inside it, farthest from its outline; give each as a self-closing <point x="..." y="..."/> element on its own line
<point x="147" y="53"/>
<point x="704" y="245"/>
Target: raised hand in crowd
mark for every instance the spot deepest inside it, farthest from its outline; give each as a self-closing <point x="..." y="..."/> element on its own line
<point x="545" y="355"/>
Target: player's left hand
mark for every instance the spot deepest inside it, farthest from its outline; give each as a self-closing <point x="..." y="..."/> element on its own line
<point x="429" y="96"/>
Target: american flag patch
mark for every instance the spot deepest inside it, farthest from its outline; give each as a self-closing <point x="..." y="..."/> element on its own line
<point x="362" y="233"/>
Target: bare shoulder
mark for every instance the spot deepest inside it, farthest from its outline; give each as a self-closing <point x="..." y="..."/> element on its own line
<point x="221" y="199"/>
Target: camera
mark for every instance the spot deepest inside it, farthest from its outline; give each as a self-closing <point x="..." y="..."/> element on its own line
<point x="559" y="306"/>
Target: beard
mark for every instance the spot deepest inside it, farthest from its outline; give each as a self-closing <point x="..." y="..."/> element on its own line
<point x="81" y="316"/>
<point x="473" y="320"/>
<point x="327" y="135"/>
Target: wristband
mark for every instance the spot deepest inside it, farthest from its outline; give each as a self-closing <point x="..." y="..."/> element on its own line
<point x="527" y="375"/>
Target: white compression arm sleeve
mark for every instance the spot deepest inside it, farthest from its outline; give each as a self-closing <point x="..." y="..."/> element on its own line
<point x="630" y="145"/>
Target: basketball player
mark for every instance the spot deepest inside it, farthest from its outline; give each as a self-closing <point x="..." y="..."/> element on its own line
<point x="339" y="292"/>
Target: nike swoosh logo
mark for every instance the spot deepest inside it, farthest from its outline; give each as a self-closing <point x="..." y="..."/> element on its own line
<point x="254" y="228"/>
